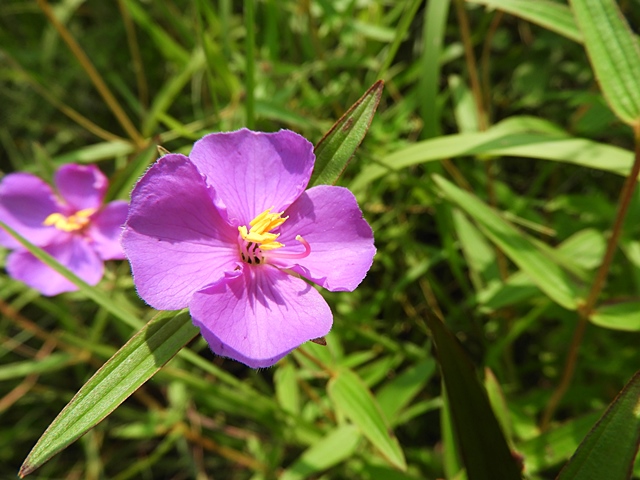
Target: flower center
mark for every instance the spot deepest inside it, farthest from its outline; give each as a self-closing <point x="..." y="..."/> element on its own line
<point x="74" y="222"/>
<point x="258" y="239"/>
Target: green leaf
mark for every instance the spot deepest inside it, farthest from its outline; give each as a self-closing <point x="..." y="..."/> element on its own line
<point x="334" y="448"/>
<point x="610" y="448"/>
<point x="481" y="443"/>
<point x="93" y="293"/>
<point x="336" y="148"/>
<point x="538" y="455"/>
<point x="397" y="393"/>
<point x="503" y="142"/>
<point x="550" y="15"/>
<point x="354" y="400"/>
<point x="621" y="316"/>
<point x="137" y="361"/>
<point x="50" y="363"/>
<point x="614" y="54"/>
<point x="525" y="253"/>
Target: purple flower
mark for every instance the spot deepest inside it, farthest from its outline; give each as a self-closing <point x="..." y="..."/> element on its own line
<point x="229" y="231"/>
<point x="74" y="227"/>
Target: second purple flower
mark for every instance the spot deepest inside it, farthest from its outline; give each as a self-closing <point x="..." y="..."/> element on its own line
<point x="229" y="231"/>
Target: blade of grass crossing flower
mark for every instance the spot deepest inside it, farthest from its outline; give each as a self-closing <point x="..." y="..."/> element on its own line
<point x="354" y="400"/>
<point x="482" y="445"/>
<point x="336" y="446"/>
<point x="93" y="293"/>
<point x="137" y="361"/>
<point x="614" y="54"/>
<point x="546" y="274"/>
<point x="550" y="15"/>
<point x="610" y="448"/>
<point x="336" y="148"/>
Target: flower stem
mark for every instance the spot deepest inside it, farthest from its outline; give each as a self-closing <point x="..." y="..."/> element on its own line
<point x="586" y="309"/>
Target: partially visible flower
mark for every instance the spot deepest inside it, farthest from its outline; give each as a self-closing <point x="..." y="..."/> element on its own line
<point x="71" y="224"/>
<point x="229" y="231"/>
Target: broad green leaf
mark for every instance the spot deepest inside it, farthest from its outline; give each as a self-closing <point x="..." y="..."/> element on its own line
<point x="93" y="293"/>
<point x="336" y="148"/>
<point x="550" y="15"/>
<point x="620" y="316"/>
<point x="614" y="54"/>
<point x="334" y="448"/>
<point x="525" y="253"/>
<point x="610" y="448"/>
<point x="482" y="445"/>
<point x="137" y="361"/>
<point x="353" y="399"/>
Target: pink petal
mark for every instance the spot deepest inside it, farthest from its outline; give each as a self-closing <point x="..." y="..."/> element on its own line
<point x="174" y="237"/>
<point x="253" y="171"/>
<point x="72" y="251"/>
<point x="258" y="317"/>
<point x="81" y="186"/>
<point x="25" y="202"/>
<point x="106" y="228"/>
<point x="341" y="241"/>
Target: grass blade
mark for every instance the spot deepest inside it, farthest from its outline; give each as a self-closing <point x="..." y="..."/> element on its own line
<point x="93" y="293"/>
<point x="137" y="361"/>
<point x="546" y="274"/>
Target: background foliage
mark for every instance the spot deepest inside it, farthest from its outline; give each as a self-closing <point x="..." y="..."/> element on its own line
<point x="492" y="132"/>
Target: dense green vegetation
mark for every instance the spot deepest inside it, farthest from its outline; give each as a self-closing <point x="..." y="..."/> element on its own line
<point x="491" y="174"/>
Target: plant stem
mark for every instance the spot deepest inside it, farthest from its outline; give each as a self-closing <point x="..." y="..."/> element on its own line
<point x="586" y="309"/>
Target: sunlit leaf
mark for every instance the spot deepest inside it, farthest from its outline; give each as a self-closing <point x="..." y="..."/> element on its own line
<point x="542" y="270"/>
<point x="351" y="397"/>
<point x="336" y="148"/>
<point x="137" y="361"/>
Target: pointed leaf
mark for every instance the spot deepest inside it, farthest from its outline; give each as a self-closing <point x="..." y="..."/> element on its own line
<point x="614" y="54"/>
<point x="137" y="361"/>
<point x="546" y="274"/>
<point x="352" y="397"/>
<point x="620" y="316"/>
<point x="336" y="148"/>
<point x="610" y="448"/>
<point x="482" y="445"/>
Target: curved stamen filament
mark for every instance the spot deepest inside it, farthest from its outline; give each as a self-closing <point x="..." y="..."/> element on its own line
<point x="290" y="255"/>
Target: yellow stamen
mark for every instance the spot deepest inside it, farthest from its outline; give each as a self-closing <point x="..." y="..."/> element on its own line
<point x="77" y="221"/>
<point x="261" y="227"/>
